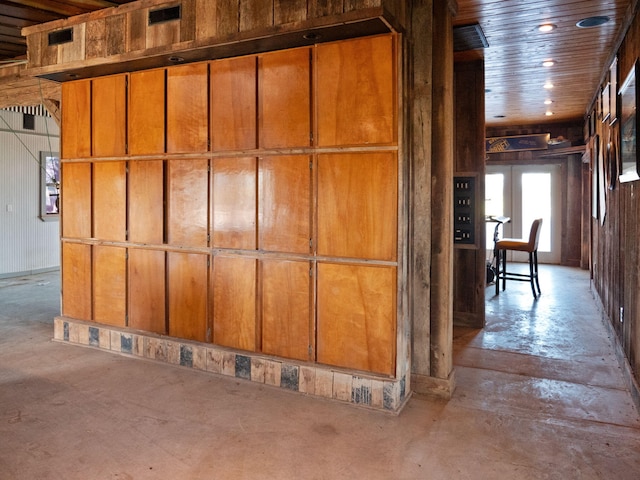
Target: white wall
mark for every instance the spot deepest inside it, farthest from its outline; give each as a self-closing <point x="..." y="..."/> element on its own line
<point x="27" y="243"/>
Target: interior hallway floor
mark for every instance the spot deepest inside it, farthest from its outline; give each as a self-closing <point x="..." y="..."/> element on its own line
<point x="539" y="396"/>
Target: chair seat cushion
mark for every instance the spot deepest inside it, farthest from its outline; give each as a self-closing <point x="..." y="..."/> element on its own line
<point x="513" y="244"/>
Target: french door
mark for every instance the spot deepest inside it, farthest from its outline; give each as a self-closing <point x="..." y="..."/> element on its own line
<point x="525" y="193"/>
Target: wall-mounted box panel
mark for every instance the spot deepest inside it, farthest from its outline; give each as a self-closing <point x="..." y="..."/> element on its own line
<point x="464" y="210"/>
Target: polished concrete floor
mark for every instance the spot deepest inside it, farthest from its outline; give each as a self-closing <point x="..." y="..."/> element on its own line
<point x="539" y="396"/>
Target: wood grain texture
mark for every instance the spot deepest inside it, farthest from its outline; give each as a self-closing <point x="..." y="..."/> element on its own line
<point x="146" y="208"/>
<point x="110" y="201"/>
<point x="109" y="127"/>
<point x="356" y="317"/>
<point x="76" y="281"/>
<point x="358" y="205"/>
<point x="146" y="112"/>
<point x="255" y="14"/>
<point x="187" y="274"/>
<point x="76" y="119"/>
<point x="188" y="198"/>
<point x="356" y="92"/>
<point x="234" y="203"/>
<point x="233" y="104"/>
<point x="284" y="211"/>
<point x="284" y="99"/>
<point x="76" y="200"/>
<point x="187" y="108"/>
<point x="110" y="285"/>
<point x="234" y="302"/>
<point x="287" y="11"/>
<point x="147" y="290"/>
<point x="286" y="323"/>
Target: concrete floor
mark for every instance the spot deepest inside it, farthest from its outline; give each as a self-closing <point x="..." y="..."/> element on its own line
<point x="539" y="396"/>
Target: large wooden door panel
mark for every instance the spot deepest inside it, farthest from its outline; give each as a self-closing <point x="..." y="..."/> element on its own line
<point x="284" y="218"/>
<point x="76" y="200"/>
<point x="358" y="205"/>
<point x="234" y="203"/>
<point x="109" y="120"/>
<point x="234" y="302"/>
<point x="284" y="99"/>
<point x="146" y="112"/>
<point x="110" y="201"/>
<point x="147" y="290"/>
<point x="233" y="104"/>
<point x="188" y="199"/>
<point x="76" y="280"/>
<point x="356" y="317"/>
<point x="187" y="295"/>
<point x="146" y="201"/>
<point x="76" y="119"/>
<point x="187" y="108"/>
<point x="286" y="324"/>
<point x="110" y="285"/>
<point x="356" y="92"/>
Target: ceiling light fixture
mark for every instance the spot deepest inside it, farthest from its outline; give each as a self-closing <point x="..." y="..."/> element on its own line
<point x="548" y="85"/>
<point x="590" y="22"/>
<point x="547" y="27"/>
<point x="548" y="113"/>
<point x="548" y="102"/>
<point x="548" y="63"/>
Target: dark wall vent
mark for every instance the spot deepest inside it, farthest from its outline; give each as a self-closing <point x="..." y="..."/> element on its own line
<point x="164" y="15"/>
<point x="61" y="36"/>
<point x="468" y="37"/>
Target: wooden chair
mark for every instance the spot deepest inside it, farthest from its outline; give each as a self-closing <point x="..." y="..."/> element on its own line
<point x="520" y="245"/>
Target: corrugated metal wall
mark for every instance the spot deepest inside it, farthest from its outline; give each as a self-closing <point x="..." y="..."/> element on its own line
<point x="27" y="243"/>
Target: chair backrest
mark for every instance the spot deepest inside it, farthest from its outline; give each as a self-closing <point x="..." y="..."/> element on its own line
<point x="534" y="234"/>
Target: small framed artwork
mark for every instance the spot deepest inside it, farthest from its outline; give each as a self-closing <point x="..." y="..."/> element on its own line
<point x="629" y="170"/>
<point x="613" y="76"/>
<point x="606" y="103"/>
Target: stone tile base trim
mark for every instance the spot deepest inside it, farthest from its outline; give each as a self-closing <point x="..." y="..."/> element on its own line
<point x="368" y="391"/>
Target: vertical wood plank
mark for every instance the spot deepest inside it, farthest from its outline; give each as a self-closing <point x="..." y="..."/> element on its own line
<point x="227" y="17"/>
<point x="187" y="273"/>
<point x="188" y="197"/>
<point x="146" y="209"/>
<point x="76" y="280"/>
<point x="206" y="18"/>
<point x="109" y="118"/>
<point x="146" y="112"/>
<point x="234" y="302"/>
<point x="110" y="201"/>
<point x="284" y="99"/>
<point x="356" y="317"/>
<point x="233" y="104"/>
<point x="285" y="318"/>
<point x="163" y="34"/>
<point x="73" y="51"/>
<point x="284" y="213"/>
<point x="76" y="200"/>
<point x="188" y="21"/>
<point x="234" y="203"/>
<point x="96" y="34"/>
<point x="109" y="285"/>
<point x="255" y="14"/>
<point x="288" y="11"/>
<point x="137" y="29"/>
<point x="76" y="119"/>
<point x="356" y="92"/>
<point x="147" y="290"/>
<point x="116" y="34"/>
<point x="187" y="108"/>
<point x="358" y="205"/>
<point x="323" y="8"/>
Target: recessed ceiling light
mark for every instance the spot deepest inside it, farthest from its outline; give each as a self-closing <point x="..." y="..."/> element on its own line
<point x="547" y="27"/>
<point x="548" y="102"/>
<point x="548" y="63"/>
<point x="548" y="85"/>
<point x="592" y="22"/>
<point x="548" y="113"/>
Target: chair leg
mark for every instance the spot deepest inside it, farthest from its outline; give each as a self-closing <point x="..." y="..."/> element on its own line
<point x="535" y="266"/>
<point x="497" y="258"/>
<point x="504" y="270"/>
<point x="531" y="275"/>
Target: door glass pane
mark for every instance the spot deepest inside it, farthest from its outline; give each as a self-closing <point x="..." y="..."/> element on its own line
<point x="536" y="203"/>
<point x="494" y="201"/>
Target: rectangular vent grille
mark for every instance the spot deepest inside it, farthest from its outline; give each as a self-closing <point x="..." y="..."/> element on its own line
<point x="468" y="37"/>
<point x="164" y="15"/>
<point x="61" y="36"/>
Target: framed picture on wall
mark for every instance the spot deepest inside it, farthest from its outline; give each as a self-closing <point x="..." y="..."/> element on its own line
<point x="629" y="126"/>
<point x="613" y="76"/>
<point x="606" y="103"/>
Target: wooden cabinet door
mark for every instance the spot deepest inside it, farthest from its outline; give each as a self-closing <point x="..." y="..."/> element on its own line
<point x="76" y="281"/>
<point x="146" y="197"/>
<point x="284" y="99"/>
<point x="284" y="213"/>
<point x="76" y="200"/>
<point x="110" y="201"/>
<point x="233" y="104"/>
<point x="356" y="317"/>
<point x="358" y="205"/>
<point x="146" y="112"/>
<point x="76" y="119"/>
<point x="286" y="322"/>
<point x="109" y="119"/>
<point x="147" y="290"/>
<point x="356" y="92"/>
<point x="187" y="108"/>
<point x="234" y="203"/>
<point x="188" y="199"/>
<point x="187" y="273"/>
<point x="234" y="302"/>
<point x="109" y="285"/>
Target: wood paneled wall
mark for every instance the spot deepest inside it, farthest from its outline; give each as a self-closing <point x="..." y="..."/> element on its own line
<point x="250" y="202"/>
